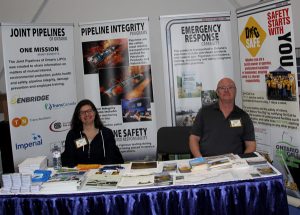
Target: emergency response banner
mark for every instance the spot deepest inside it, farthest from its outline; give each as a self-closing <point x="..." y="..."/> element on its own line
<point x="40" y="86"/>
<point x="118" y="79"/>
<point x="270" y="85"/>
<point x="197" y="53"/>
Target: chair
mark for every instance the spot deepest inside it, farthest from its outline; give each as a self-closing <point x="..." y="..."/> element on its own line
<point x="173" y="140"/>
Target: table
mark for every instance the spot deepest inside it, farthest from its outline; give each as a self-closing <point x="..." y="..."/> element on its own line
<point x="265" y="195"/>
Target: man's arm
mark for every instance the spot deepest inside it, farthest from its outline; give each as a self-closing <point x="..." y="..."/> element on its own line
<point x="250" y="146"/>
<point x="194" y="145"/>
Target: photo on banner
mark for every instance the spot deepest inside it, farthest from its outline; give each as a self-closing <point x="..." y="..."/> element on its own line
<point x="40" y="86"/>
<point x="197" y="53"/>
<point x="118" y="79"/>
<point x="270" y="84"/>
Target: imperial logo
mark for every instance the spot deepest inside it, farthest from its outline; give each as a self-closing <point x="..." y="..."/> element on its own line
<point x="29" y="99"/>
<point x="253" y="36"/>
<point x="56" y="126"/>
<point x="36" y="141"/>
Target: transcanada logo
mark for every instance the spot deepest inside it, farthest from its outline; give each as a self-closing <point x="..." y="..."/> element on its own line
<point x="36" y="141"/>
<point x="52" y="106"/>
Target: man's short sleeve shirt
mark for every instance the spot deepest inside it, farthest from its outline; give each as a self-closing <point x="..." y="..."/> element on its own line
<point x="220" y="135"/>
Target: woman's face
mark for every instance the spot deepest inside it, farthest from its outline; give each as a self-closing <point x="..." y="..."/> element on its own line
<point x="87" y="114"/>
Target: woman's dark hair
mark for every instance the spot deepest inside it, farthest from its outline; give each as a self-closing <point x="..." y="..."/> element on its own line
<point x="76" y="123"/>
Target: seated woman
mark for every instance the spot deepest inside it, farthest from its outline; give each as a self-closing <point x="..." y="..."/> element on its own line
<point x="88" y="141"/>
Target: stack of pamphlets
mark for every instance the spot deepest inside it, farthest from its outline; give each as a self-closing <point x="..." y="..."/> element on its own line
<point x="169" y="167"/>
<point x="111" y="169"/>
<point x="219" y="163"/>
<point x="65" y="181"/>
<point x="100" y="180"/>
<point x="256" y="161"/>
<point x="16" y="183"/>
<point x="7" y="183"/>
<point x="184" y="166"/>
<point x="265" y="170"/>
<point x="30" y="164"/>
<point x="25" y="183"/>
<point x="163" y="179"/>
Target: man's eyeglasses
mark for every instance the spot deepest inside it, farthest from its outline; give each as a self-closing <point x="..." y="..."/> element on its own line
<point x="89" y="111"/>
<point x="226" y="88"/>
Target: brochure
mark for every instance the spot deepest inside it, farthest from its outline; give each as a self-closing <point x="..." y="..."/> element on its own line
<point x="163" y="179"/>
<point x="136" y="181"/>
<point x="101" y="181"/>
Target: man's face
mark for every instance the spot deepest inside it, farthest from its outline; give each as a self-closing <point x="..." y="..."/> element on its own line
<point x="226" y="90"/>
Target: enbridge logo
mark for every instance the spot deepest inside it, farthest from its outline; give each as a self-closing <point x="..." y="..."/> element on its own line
<point x="253" y="36"/>
<point x="29" y="99"/>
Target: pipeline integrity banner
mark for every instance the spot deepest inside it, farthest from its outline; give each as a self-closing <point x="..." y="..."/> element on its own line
<point x="40" y="86"/>
<point x="117" y="78"/>
<point x="197" y="53"/>
<point x="269" y="83"/>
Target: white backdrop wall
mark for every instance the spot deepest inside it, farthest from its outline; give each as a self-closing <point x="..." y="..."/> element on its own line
<point x="75" y="11"/>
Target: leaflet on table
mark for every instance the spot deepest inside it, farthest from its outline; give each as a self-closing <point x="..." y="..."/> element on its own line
<point x="255" y="171"/>
<point x="142" y="168"/>
<point x="184" y="167"/>
<point x="230" y="156"/>
<point x="101" y="181"/>
<point x="266" y="169"/>
<point x="239" y="163"/>
<point x="219" y="163"/>
<point x="136" y="181"/>
<point x="170" y="167"/>
<point x="200" y="178"/>
<point x="67" y="176"/>
<point x="41" y="175"/>
<point x="256" y="160"/>
<point x="163" y="179"/>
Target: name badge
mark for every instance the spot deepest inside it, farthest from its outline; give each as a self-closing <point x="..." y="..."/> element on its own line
<point x="234" y="123"/>
<point x="81" y="142"/>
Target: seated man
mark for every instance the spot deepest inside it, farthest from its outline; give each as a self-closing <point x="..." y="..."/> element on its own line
<point x="222" y="127"/>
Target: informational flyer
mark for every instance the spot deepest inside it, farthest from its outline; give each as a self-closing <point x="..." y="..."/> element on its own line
<point x="270" y="84"/>
<point x="40" y="86"/>
<point x="197" y="53"/>
<point x="118" y="79"/>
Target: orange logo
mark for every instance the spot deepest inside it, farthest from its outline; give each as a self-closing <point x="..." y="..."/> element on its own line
<point x="17" y="122"/>
<point x="253" y="36"/>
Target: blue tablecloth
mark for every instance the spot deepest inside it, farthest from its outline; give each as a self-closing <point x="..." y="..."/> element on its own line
<point x="258" y="196"/>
